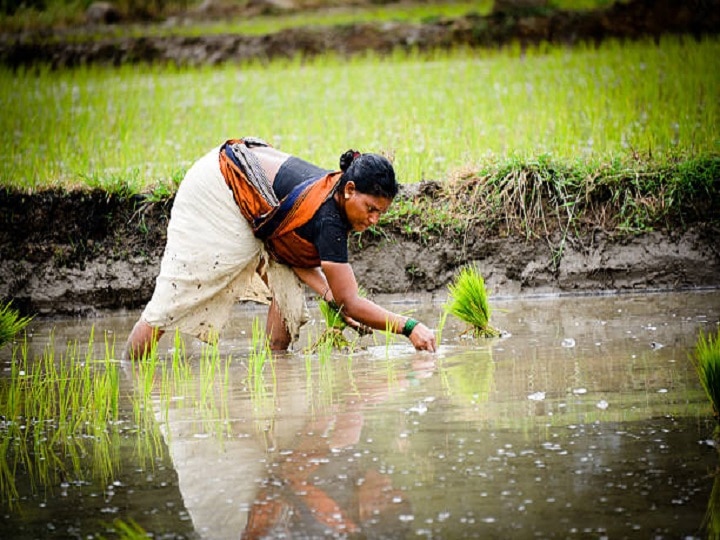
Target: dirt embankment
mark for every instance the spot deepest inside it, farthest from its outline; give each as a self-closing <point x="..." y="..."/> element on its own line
<point x="79" y="252"/>
<point x="633" y="20"/>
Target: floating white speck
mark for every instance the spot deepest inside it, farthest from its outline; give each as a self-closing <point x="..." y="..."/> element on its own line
<point x="579" y="391"/>
<point x="663" y="391"/>
<point x="655" y="345"/>
<point x="568" y="342"/>
<point x="602" y="404"/>
<point x="420" y="408"/>
<point x="537" y="396"/>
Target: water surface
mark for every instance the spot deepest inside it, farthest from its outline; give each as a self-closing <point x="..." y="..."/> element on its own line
<point x="586" y="421"/>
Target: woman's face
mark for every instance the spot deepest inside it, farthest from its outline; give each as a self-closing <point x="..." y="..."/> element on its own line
<point x="363" y="210"/>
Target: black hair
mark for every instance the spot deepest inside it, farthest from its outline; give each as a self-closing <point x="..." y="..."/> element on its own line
<point x="372" y="174"/>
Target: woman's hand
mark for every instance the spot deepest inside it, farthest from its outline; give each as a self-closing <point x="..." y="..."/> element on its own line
<point x="423" y="339"/>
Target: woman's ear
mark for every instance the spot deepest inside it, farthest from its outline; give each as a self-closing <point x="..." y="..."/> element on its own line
<point x="349" y="189"/>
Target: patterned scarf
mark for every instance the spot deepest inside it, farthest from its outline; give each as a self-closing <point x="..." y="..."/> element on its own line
<point x="274" y="222"/>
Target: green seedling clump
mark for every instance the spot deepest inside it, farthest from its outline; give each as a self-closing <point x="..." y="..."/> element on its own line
<point x="706" y="358"/>
<point x="333" y="336"/>
<point x="468" y="301"/>
<point x="11" y="323"/>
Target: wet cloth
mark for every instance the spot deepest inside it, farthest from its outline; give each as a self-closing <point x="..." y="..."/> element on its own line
<point x="211" y="260"/>
<point x="275" y="222"/>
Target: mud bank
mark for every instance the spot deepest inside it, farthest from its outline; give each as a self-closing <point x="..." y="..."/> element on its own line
<point x="85" y="252"/>
<point x="632" y="20"/>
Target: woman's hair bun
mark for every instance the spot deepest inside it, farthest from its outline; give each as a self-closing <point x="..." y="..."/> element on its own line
<point x="347" y="158"/>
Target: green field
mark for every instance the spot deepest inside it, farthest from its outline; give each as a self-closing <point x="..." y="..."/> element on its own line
<point x="435" y="114"/>
<point x="69" y="15"/>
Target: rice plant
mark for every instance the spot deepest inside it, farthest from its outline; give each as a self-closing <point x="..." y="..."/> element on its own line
<point x="333" y="337"/>
<point x="468" y="301"/>
<point x="260" y="354"/>
<point x="594" y="103"/>
<point x="11" y="323"/>
<point x="712" y="515"/>
<point x="706" y="358"/>
<point x="60" y="417"/>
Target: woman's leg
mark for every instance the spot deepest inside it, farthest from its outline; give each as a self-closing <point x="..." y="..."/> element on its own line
<point x="141" y="341"/>
<point x="276" y="330"/>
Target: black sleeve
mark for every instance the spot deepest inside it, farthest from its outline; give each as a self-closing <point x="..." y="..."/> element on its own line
<point x="330" y="233"/>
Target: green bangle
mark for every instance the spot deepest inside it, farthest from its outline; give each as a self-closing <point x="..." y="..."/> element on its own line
<point x="410" y="325"/>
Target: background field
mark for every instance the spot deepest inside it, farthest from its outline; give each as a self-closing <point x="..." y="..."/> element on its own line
<point x="433" y="113"/>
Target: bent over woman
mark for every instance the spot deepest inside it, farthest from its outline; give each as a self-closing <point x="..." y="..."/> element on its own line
<point x="250" y="222"/>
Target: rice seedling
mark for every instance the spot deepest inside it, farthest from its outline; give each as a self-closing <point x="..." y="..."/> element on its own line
<point x="706" y="359"/>
<point x="712" y="515"/>
<point x="127" y="529"/>
<point x="58" y="411"/>
<point x="468" y="301"/>
<point x="260" y="355"/>
<point x="11" y="323"/>
<point x="440" y="327"/>
<point x="332" y="337"/>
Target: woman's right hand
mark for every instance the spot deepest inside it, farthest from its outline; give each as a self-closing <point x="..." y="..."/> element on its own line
<point x="423" y="339"/>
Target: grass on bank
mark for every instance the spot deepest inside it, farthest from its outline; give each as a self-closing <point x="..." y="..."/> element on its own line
<point x="135" y="128"/>
<point x="542" y="198"/>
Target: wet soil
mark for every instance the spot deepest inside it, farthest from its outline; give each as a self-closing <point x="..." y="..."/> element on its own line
<point x="85" y="252"/>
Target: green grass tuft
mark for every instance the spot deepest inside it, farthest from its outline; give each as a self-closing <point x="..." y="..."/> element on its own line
<point x="468" y="301"/>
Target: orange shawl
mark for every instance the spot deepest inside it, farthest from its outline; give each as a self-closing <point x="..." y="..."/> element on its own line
<point x="275" y="222"/>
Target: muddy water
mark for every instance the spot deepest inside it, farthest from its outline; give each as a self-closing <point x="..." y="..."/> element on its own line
<point x="586" y="421"/>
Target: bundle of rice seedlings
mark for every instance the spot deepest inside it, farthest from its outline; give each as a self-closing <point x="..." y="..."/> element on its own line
<point x="334" y="337"/>
<point x="11" y="323"/>
<point x="706" y="358"/>
<point x="468" y="301"/>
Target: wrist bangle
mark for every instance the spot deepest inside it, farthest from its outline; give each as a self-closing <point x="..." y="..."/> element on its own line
<point x="410" y="325"/>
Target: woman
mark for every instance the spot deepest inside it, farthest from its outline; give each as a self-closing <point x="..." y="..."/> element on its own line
<point x="252" y="222"/>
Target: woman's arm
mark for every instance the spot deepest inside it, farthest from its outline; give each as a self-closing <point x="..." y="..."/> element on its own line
<point x="315" y="279"/>
<point x="341" y="279"/>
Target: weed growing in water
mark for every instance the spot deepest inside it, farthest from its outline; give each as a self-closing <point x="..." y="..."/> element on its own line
<point x="706" y="359"/>
<point x="468" y="302"/>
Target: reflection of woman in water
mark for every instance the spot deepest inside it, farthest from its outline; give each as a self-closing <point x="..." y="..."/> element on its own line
<point x="304" y="498"/>
<point x="246" y="209"/>
<point x="321" y="487"/>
